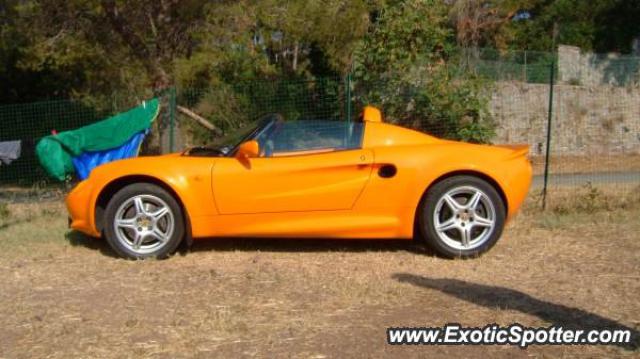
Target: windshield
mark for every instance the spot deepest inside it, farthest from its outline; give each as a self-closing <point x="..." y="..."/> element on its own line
<point x="230" y="142"/>
<point x="277" y="137"/>
<point x="235" y="137"/>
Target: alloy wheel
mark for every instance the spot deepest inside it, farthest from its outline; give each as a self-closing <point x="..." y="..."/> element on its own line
<point x="144" y="223"/>
<point x="465" y="218"/>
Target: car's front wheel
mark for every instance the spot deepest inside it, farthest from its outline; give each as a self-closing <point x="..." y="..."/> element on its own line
<point x="143" y="221"/>
<point x="461" y="216"/>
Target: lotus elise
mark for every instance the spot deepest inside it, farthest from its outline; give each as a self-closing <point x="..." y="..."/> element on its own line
<point x="308" y="179"/>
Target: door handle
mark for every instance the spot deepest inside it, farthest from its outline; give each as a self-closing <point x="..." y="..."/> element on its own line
<point x="387" y="171"/>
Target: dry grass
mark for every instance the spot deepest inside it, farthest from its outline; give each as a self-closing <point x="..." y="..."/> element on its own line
<point x="588" y="164"/>
<point x="65" y="295"/>
<point x="567" y="200"/>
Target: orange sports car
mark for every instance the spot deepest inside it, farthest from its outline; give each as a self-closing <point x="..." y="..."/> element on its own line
<point x="308" y="179"/>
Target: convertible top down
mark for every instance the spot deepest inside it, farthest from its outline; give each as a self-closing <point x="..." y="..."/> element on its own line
<point x="308" y="178"/>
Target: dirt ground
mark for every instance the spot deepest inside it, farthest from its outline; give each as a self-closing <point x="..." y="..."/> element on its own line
<point x="65" y="295"/>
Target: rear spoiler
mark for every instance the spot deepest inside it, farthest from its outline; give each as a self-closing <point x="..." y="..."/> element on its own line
<point x="517" y="150"/>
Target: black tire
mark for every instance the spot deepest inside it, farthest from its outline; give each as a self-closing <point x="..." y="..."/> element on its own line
<point x="165" y="247"/>
<point x="428" y="207"/>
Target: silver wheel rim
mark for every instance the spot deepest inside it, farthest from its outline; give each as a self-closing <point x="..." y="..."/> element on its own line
<point x="144" y="224"/>
<point x="464" y="218"/>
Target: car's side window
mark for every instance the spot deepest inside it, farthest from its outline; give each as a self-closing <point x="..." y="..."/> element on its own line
<point x="310" y="136"/>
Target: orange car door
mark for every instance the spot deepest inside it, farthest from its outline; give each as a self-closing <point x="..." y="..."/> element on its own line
<point x="307" y="182"/>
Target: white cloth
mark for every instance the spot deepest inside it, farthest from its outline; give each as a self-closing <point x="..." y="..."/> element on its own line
<point x="10" y="151"/>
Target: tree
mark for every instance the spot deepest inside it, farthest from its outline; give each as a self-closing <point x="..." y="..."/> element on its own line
<point x="478" y="22"/>
<point x="157" y="43"/>
<point x="21" y="84"/>
<point x="103" y="47"/>
<point x="292" y="30"/>
<point x="601" y="26"/>
<point x="112" y="35"/>
<point x="250" y="38"/>
<point x="407" y="66"/>
<point x="252" y="54"/>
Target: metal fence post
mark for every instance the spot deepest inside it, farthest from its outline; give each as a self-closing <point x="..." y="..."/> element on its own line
<point x="525" y="67"/>
<point x="347" y="92"/>
<point x="172" y="116"/>
<point x="550" y="116"/>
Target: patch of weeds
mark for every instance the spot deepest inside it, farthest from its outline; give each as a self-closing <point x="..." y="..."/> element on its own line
<point x="44" y="189"/>
<point x="588" y="199"/>
<point x="49" y="212"/>
<point x="631" y="200"/>
<point x="5" y="213"/>
<point x="566" y="208"/>
<point x="533" y="205"/>
<point x="575" y="82"/>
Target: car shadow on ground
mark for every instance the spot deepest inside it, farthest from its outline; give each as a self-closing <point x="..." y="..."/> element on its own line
<point x="509" y="299"/>
<point x="307" y="245"/>
<point x="294" y="245"/>
<point x="79" y="239"/>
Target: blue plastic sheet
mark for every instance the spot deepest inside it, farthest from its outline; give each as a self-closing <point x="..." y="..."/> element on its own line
<point x="87" y="161"/>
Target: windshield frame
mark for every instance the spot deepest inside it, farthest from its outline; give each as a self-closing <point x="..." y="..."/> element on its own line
<point x="263" y="124"/>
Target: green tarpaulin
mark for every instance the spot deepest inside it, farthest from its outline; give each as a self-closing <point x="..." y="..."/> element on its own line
<point x="55" y="151"/>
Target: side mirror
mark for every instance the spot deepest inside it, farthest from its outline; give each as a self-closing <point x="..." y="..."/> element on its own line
<point x="248" y="149"/>
<point x="371" y="114"/>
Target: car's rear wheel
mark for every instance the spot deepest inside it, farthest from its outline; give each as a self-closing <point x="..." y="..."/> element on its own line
<point x="143" y="221"/>
<point x="461" y="216"/>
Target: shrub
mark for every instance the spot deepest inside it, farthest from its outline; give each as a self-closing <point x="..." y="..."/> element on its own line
<point x="408" y="67"/>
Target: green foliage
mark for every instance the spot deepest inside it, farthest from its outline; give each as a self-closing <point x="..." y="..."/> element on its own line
<point x="407" y="66"/>
<point x="257" y="40"/>
<point x="601" y="26"/>
<point x="239" y="59"/>
<point x="219" y="104"/>
<point x="481" y="23"/>
<point x="311" y="37"/>
<point x="270" y="56"/>
<point x="234" y="106"/>
<point x="91" y="49"/>
<point x="107" y="45"/>
<point x="20" y="84"/>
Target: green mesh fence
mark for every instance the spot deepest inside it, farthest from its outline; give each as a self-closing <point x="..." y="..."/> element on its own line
<point x="524" y="66"/>
<point x="230" y="107"/>
<point x="592" y="108"/>
<point x="584" y="109"/>
<point x="29" y="122"/>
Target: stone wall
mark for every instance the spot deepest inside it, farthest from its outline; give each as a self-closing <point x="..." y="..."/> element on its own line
<point x="587" y="120"/>
<point x="589" y="69"/>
